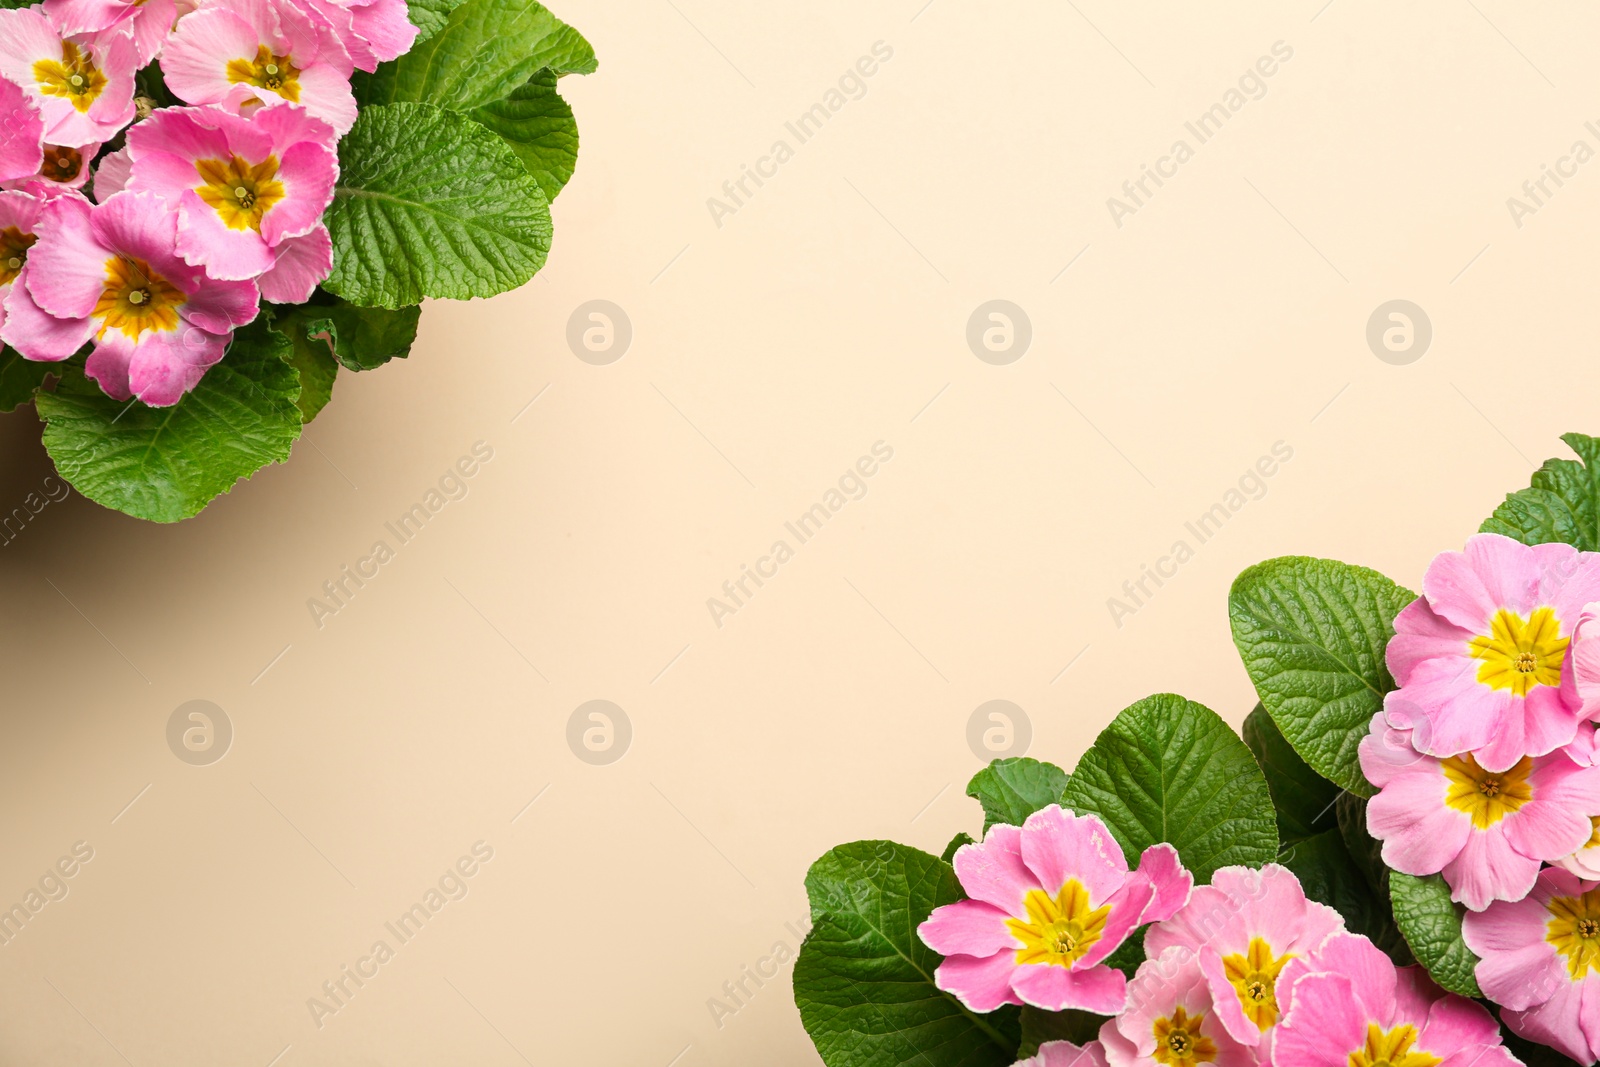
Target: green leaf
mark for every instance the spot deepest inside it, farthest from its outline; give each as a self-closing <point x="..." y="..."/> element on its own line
<point x="1329" y="875"/>
<point x="539" y="127"/>
<point x="864" y="980"/>
<point x="361" y="338"/>
<point x="1010" y="790"/>
<point x="429" y="16"/>
<point x="1312" y="633"/>
<point x="1431" y="923"/>
<point x="312" y="360"/>
<point x="165" y="464"/>
<point x="1168" y="769"/>
<point x="20" y="378"/>
<point x="486" y="49"/>
<point x="1039" y="1026"/>
<point x="963" y="838"/>
<point x="1562" y="502"/>
<point x="1303" y="798"/>
<point x="431" y="204"/>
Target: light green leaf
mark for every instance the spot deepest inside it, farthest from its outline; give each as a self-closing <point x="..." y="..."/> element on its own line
<point x="486" y="49"/>
<point x="1303" y="798"/>
<point x="1010" y="790"/>
<point x="864" y="980"/>
<point x="1562" y="503"/>
<point x="19" y="378"/>
<point x="165" y="464"/>
<point x="539" y="127"/>
<point x="1168" y="769"/>
<point x="429" y="16"/>
<point x="430" y="203"/>
<point x="1431" y="923"/>
<point x="1312" y="633"/>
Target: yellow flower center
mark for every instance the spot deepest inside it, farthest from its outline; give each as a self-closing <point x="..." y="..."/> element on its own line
<point x="74" y="77"/>
<point x="14" y="245"/>
<point x="1521" y="653"/>
<point x="1255" y="979"/>
<point x="1487" y="797"/>
<point x="136" y="299"/>
<point x="267" y="71"/>
<point x="1179" y="1040"/>
<point x="240" y="193"/>
<point x="1391" y="1048"/>
<point x="1059" y="930"/>
<point x="1574" y="929"/>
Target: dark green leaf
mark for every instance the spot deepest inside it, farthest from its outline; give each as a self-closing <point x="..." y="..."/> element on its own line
<point x="864" y="980"/>
<point x="539" y="127"/>
<point x="1010" y="790"/>
<point x="1303" y="798"/>
<point x="430" y="203"/>
<point x="19" y="378"/>
<point x="1168" y="769"/>
<point x="165" y="464"/>
<point x="1562" y="502"/>
<point x="1431" y="923"/>
<point x="1039" y="1026"/>
<point x="1312" y="633"/>
<point x="486" y="49"/>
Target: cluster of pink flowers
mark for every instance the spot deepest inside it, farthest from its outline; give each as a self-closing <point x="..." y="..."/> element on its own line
<point x="202" y="211"/>
<point x="1242" y="972"/>
<point x="1485" y="759"/>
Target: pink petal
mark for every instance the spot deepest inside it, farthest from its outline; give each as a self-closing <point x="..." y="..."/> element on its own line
<point x="326" y="94"/>
<point x="1508" y="569"/>
<point x="141" y="226"/>
<point x="967" y="928"/>
<point x="1324" y="1026"/>
<point x="384" y="25"/>
<point x="1225" y="999"/>
<point x="1059" y="845"/>
<point x="1066" y="1054"/>
<point x="108" y="365"/>
<point x="1169" y="880"/>
<point x="168" y="364"/>
<point x="1102" y="990"/>
<point x="20" y="135"/>
<point x="1489" y="869"/>
<point x="1569" y="1021"/>
<point x="35" y="333"/>
<point x="1461" y="713"/>
<point x="111" y="174"/>
<point x="993" y="870"/>
<point x="66" y="270"/>
<point x="980" y="983"/>
<point x="219" y="307"/>
<point x="1555" y="823"/>
<point x="302" y="264"/>
<point x="308" y="172"/>
<point x="1422" y="634"/>
<point x="1420" y="833"/>
<point x="195" y="60"/>
<point x="204" y="241"/>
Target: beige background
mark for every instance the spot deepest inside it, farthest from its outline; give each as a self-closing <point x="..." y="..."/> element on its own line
<point x="826" y="314"/>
